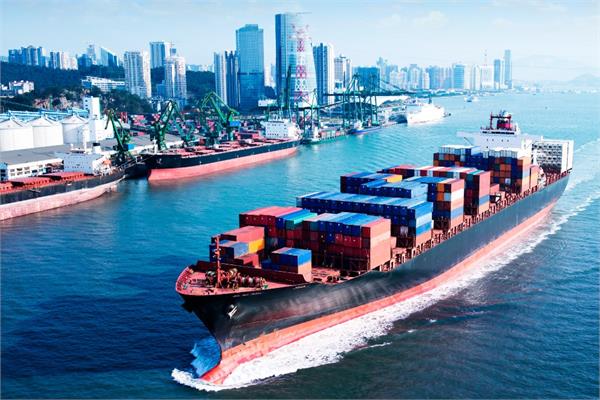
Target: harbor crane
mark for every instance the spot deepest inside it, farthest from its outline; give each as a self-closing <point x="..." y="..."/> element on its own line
<point x="122" y="135"/>
<point x="216" y="118"/>
<point x="169" y="117"/>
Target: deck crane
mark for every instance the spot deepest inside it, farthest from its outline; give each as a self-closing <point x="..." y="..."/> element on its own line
<point x="216" y="117"/>
<point x="170" y="116"/>
<point x="122" y="135"/>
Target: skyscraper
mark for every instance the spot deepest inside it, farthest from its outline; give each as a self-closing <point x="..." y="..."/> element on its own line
<point x="461" y="76"/>
<point x="92" y="54"/>
<point x="293" y="52"/>
<point x="343" y="71"/>
<point x="508" y="69"/>
<point x="487" y="77"/>
<point x="325" y="71"/>
<point x="175" y="79"/>
<point x="137" y="73"/>
<point x="220" y="70"/>
<point x="499" y="74"/>
<point x="475" y="77"/>
<point x="250" y="53"/>
<point x="232" y="79"/>
<point x="226" y="69"/>
<point x="159" y="51"/>
<point x="108" y="58"/>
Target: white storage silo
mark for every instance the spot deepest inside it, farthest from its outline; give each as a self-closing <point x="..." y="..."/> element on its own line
<point x="46" y="132"/>
<point x="15" y="135"/>
<point x="72" y="129"/>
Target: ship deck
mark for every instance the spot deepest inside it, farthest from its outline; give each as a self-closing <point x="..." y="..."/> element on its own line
<point x="193" y="280"/>
<point x="225" y="147"/>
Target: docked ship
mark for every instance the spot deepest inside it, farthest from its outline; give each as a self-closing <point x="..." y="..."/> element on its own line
<point x="417" y="112"/>
<point x="388" y="236"/>
<point x="86" y="175"/>
<point x="281" y="139"/>
<point x="360" y="129"/>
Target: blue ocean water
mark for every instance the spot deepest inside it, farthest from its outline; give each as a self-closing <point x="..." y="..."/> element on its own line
<point x="89" y="308"/>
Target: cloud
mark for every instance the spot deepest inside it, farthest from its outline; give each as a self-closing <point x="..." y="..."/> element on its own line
<point x="392" y="21"/>
<point x="433" y="18"/>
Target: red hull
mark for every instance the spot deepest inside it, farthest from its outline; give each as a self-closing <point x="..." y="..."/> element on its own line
<point x="205" y="169"/>
<point x="20" y="208"/>
<point x="258" y="347"/>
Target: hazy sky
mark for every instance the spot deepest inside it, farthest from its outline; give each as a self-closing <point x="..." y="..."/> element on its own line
<point x="566" y="33"/>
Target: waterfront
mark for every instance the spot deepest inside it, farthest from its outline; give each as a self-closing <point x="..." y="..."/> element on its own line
<point x="89" y="307"/>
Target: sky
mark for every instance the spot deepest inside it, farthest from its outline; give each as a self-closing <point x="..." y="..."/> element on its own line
<point x="549" y="39"/>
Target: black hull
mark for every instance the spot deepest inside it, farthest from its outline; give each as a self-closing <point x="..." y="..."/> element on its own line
<point x="167" y="160"/>
<point x="264" y="312"/>
<point x="59" y="188"/>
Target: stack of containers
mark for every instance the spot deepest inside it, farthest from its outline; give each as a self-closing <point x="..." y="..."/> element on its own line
<point x="459" y="155"/>
<point x="267" y="218"/>
<point x="350" y="241"/>
<point x="289" y="227"/>
<point x="289" y="259"/>
<point x="406" y="189"/>
<point x="510" y="169"/>
<point x="242" y="246"/>
<point x="477" y="192"/>
<point x="406" y="170"/>
<point x="447" y="196"/>
<point x="414" y="226"/>
<point x="350" y="183"/>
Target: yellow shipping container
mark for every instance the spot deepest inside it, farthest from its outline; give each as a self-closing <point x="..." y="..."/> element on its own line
<point x="256" y="245"/>
<point x="395" y="178"/>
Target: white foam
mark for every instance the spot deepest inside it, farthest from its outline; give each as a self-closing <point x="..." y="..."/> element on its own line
<point x="330" y="345"/>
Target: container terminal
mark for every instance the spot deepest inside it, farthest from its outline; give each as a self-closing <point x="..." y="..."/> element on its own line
<point x="210" y="138"/>
<point x="387" y="236"/>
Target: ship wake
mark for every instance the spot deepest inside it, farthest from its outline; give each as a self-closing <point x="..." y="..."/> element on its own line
<point x="330" y="345"/>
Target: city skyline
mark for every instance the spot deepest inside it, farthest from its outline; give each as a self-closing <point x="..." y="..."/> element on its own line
<point x="425" y="25"/>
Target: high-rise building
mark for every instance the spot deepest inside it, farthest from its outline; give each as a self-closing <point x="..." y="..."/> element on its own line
<point x="499" y="74"/>
<point x="461" y="76"/>
<point x="159" y="51"/>
<point x="108" y="58"/>
<point x="30" y="55"/>
<point x="92" y="54"/>
<point x="175" y="79"/>
<point x="293" y="52"/>
<point x="325" y="71"/>
<point x="475" y="77"/>
<point x="220" y="69"/>
<point x="382" y="65"/>
<point x="368" y="77"/>
<point x="250" y="53"/>
<point x="414" y="76"/>
<point x="508" y="69"/>
<point x="425" y="82"/>
<point x="487" y="77"/>
<point x="343" y="71"/>
<point x="232" y="79"/>
<point x="60" y="60"/>
<point x="137" y="73"/>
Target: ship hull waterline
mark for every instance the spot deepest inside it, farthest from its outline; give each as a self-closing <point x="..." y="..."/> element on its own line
<point x="45" y="203"/>
<point x="165" y="174"/>
<point x="277" y="334"/>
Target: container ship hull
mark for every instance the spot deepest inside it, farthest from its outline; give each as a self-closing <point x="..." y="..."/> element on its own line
<point x="173" y="166"/>
<point x="23" y="202"/>
<point x="249" y="325"/>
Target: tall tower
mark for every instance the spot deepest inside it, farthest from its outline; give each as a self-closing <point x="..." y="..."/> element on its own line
<point x="175" y="79"/>
<point x="220" y="70"/>
<point x="159" y="52"/>
<point x="508" y="69"/>
<point x="250" y="53"/>
<point x="294" y="54"/>
<point x="137" y="73"/>
<point x="325" y="72"/>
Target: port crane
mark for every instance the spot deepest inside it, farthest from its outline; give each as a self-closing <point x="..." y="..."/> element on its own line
<point x="122" y="135"/>
<point x="170" y="116"/>
<point x="215" y="118"/>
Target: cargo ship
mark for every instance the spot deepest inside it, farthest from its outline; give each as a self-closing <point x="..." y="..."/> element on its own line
<point x="86" y="176"/>
<point x="281" y="139"/>
<point x="359" y="129"/>
<point x="388" y="236"/>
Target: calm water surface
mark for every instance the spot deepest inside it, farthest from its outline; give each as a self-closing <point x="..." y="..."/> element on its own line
<point x="89" y="308"/>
